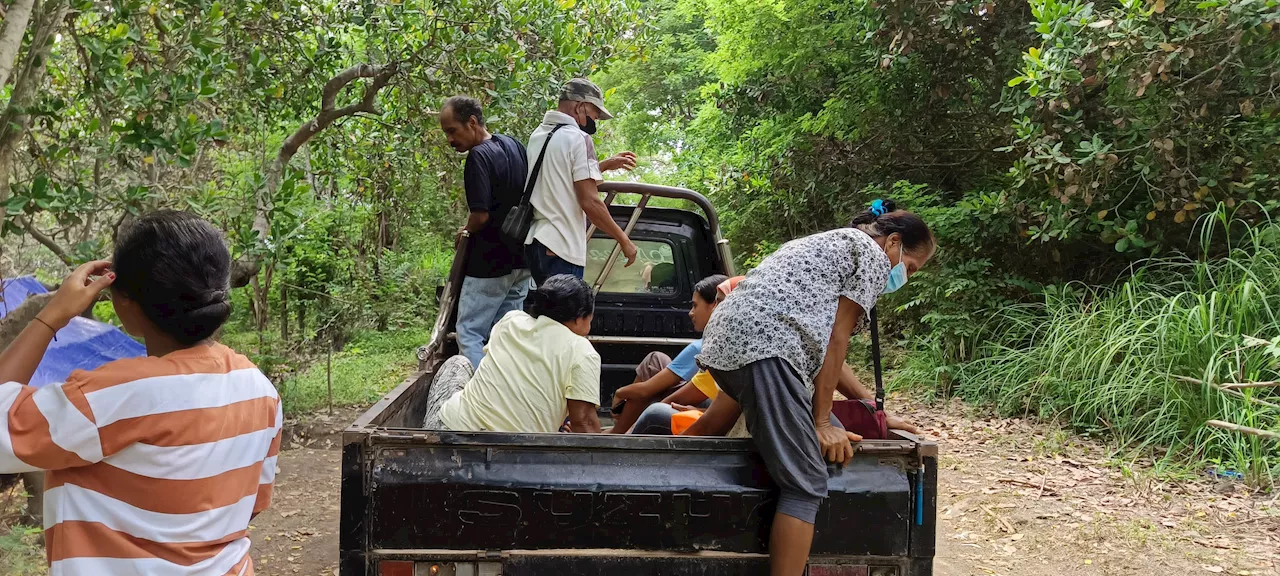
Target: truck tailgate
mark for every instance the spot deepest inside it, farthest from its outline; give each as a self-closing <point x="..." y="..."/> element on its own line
<point x="456" y="491"/>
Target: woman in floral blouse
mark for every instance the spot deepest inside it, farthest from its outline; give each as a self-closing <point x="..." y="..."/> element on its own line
<point x="777" y="344"/>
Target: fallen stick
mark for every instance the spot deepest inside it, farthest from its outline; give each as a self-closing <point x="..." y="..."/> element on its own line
<point x="1238" y="385"/>
<point x="1257" y="518"/>
<point x="1243" y="429"/>
<point x="1004" y="524"/>
<point x="1020" y="483"/>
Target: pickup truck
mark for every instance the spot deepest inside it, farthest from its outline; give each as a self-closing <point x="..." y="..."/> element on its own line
<point x="418" y="502"/>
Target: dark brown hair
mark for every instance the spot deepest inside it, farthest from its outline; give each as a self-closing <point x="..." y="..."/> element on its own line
<point x="177" y="268"/>
<point x="883" y="218"/>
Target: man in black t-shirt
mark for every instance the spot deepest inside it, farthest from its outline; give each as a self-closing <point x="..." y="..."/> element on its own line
<point x="497" y="278"/>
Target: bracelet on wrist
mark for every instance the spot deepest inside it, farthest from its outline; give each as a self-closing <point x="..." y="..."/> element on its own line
<point x="49" y="326"/>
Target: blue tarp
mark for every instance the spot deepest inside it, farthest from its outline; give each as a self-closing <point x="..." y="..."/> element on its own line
<point x="83" y="345"/>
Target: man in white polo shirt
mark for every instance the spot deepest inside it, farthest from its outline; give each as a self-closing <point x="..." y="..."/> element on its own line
<point x="565" y="196"/>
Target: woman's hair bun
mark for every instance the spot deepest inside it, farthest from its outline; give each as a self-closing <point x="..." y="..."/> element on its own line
<point x="883" y="218"/>
<point x="562" y="298"/>
<point x="535" y="303"/>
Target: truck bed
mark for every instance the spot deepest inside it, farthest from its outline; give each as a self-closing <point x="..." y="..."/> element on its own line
<point x="572" y="503"/>
<point x="430" y="503"/>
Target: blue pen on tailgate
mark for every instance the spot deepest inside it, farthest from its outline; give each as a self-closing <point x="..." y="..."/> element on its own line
<point x="920" y="497"/>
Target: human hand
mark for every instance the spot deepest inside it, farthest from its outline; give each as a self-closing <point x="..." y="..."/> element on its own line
<point x="682" y="407"/>
<point x="621" y="161"/>
<point x="897" y="423"/>
<point x="630" y="251"/>
<point x="835" y="443"/>
<point x="78" y="292"/>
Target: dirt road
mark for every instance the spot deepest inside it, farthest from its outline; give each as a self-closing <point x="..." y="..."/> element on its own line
<point x="1016" y="500"/>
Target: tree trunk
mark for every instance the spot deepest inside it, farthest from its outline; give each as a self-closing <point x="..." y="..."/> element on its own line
<point x="284" y="312"/>
<point x="302" y="319"/>
<point x="15" y="27"/>
<point x="26" y="84"/>
<point x="379" y="247"/>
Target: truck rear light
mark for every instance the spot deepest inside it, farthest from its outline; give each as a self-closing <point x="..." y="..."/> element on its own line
<point x="395" y="568"/>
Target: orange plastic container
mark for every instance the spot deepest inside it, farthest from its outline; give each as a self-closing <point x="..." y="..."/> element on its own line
<point x="680" y="421"/>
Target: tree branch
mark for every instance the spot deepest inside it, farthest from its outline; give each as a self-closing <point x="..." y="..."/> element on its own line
<point x="44" y="240"/>
<point x="248" y="265"/>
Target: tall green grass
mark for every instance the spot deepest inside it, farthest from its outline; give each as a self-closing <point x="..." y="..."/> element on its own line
<point x="1139" y="361"/>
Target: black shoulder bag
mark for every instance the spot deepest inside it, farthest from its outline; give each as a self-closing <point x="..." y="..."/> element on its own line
<point x="515" y="227"/>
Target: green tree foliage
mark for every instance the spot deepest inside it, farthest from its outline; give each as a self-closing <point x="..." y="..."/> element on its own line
<point x="1044" y="141"/>
<point x="305" y="129"/>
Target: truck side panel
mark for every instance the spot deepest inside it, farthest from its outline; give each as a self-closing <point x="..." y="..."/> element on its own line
<point x="527" y="498"/>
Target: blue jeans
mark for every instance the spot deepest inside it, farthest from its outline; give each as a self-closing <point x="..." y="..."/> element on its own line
<point x="543" y="265"/>
<point x="481" y="303"/>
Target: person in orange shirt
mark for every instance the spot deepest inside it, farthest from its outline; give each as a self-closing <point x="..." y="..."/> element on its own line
<point x="155" y="464"/>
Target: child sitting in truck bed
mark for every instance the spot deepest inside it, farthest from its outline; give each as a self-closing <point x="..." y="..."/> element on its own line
<point x="658" y="376"/>
<point x="537" y="369"/>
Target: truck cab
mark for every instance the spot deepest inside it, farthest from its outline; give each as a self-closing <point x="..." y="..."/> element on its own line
<point x="436" y="503"/>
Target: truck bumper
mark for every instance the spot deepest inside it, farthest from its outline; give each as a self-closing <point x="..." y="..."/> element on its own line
<point x="629" y="562"/>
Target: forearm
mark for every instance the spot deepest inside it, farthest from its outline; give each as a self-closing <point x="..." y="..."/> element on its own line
<point x="587" y="425"/>
<point x="664" y="380"/>
<point x="596" y="211"/>
<point x="688" y="395"/>
<point x="476" y="221"/>
<point x="717" y="420"/>
<point x="824" y="385"/>
<point x="851" y="387"/>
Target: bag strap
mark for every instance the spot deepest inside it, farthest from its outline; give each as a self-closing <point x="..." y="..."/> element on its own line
<point x="537" y="167"/>
<point x="875" y="361"/>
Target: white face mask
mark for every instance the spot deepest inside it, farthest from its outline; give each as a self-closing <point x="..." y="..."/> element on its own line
<point x="897" y="275"/>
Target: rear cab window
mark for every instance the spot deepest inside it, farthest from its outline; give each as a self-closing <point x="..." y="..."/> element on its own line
<point x="653" y="273"/>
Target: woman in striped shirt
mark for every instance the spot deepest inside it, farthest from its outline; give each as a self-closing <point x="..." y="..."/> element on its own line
<point x="155" y="464"/>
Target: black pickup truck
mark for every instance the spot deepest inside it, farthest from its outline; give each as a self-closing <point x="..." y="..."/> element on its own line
<point x="429" y="503"/>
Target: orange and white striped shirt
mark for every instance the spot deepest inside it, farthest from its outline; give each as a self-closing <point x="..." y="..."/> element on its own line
<point x="156" y="465"/>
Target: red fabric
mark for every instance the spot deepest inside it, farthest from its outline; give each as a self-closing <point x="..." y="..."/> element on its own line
<point x="861" y="418"/>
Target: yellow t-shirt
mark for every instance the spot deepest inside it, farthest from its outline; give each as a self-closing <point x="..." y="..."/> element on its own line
<point x="531" y="368"/>
<point x="705" y="384"/>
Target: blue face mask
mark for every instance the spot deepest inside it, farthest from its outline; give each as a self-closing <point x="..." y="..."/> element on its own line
<point x="897" y="275"/>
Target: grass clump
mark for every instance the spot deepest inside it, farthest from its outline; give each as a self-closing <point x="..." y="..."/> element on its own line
<point x="20" y="551"/>
<point x="1144" y="361"/>
<point x="370" y="365"/>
